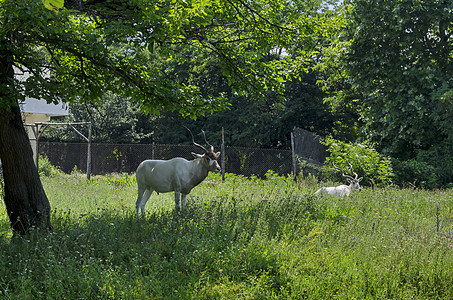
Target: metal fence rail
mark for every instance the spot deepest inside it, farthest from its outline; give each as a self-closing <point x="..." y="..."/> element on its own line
<point x="119" y="158"/>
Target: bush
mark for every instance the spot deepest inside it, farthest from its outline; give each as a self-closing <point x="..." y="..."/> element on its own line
<point x="45" y="167"/>
<point x="416" y="173"/>
<point x="375" y="168"/>
<point x="431" y="168"/>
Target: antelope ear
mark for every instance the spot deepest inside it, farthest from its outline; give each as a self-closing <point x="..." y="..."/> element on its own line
<point x="360" y="179"/>
<point x="217" y="154"/>
<point x="196" y="155"/>
<point x="350" y="180"/>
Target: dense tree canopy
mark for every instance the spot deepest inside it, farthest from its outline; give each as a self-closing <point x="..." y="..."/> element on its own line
<point x="401" y="60"/>
<point x="93" y="46"/>
<point x="391" y="66"/>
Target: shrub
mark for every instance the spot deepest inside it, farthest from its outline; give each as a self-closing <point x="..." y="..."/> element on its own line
<point x="431" y="168"/>
<point x="415" y="173"/>
<point x="45" y="167"/>
<point x="375" y="168"/>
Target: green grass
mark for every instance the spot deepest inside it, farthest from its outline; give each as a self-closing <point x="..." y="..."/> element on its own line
<point x="242" y="239"/>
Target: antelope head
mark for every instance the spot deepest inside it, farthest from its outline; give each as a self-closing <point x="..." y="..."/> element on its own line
<point x="353" y="181"/>
<point x="209" y="157"/>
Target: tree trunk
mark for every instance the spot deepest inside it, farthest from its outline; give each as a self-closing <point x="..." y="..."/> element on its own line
<point x="26" y="202"/>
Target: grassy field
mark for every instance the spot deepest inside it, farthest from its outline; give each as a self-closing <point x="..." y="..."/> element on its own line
<point x="241" y="239"/>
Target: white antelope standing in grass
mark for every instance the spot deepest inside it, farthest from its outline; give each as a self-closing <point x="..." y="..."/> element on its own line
<point x="343" y="190"/>
<point x="174" y="175"/>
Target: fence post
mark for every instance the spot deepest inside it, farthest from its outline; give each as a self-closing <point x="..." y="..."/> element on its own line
<point x="36" y="132"/>
<point x="89" y="152"/>
<point x="152" y="150"/>
<point x="293" y="156"/>
<point x="222" y="155"/>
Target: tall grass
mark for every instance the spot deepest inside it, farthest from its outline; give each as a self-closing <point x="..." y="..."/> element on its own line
<point x="244" y="238"/>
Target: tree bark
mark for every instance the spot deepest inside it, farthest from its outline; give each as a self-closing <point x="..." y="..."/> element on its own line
<point x="26" y="202"/>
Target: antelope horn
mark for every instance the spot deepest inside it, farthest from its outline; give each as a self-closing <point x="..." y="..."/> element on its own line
<point x="211" y="146"/>
<point x="350" y="166"/>
<point x="193" y="141"/>
<point x="342" y="172"/>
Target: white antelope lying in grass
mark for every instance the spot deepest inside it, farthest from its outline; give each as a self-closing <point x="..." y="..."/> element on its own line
<point x="177" y="174"/>
<point x="343" y="190"/>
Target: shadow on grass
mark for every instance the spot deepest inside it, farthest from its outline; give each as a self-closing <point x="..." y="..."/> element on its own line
<point x="109" y="253"/>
